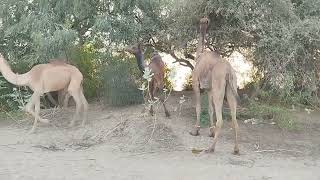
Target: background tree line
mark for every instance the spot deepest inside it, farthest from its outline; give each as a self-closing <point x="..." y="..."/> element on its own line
<point x="280" y="37"/>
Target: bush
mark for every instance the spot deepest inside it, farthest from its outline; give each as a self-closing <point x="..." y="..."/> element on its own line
<point x="188" y="84"/>
<point x="85" y="58"/>
<point x="120" y="83"/>
<point x="167" y="83"/>
<point x="265" y="111"/>
<point x="11" y="96"/>
<point x="253" y="109"/>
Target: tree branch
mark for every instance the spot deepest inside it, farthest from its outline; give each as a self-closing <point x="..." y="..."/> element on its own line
<point x="189" y="56"/>
<point x="140" y="21"/>
<point x="181" y="61"/>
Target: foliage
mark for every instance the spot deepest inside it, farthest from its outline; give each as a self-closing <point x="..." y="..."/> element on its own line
<point x="280" y="37"/>
<point x="36" y="31"/>
<point x="85" y="58"/>
<point x="12" y="98"/>
<point x="265" y="111"/>
<point x="261" y="110"/>
<point x="120" y="84"/>
<point x="188" y="84"/>
<point x="167" y="83"/>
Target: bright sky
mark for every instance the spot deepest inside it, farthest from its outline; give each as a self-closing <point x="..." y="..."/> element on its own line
<point x="180" y="73"/>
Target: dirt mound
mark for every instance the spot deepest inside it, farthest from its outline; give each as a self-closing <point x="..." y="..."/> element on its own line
<point x="134" y="133"/>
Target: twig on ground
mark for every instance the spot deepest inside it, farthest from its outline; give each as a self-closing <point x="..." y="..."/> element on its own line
<point x="275" y="150"/>
<point x="153" y="128"/>
<point x="11" y="117"/>
<point x="52" y="112"/>
<point x="101" y="134"/>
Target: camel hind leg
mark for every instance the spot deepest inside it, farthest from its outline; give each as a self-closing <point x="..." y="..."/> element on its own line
<point x="210" y="112"/>
<point x="217" y="92"/>
<point x="75" y="93"/>
<point x="162" y="99"/>
<point x="232" y="101"/>
<point x="85" y="108"/>
<point x="197" y="96"/>
<point x="34" y="102"/>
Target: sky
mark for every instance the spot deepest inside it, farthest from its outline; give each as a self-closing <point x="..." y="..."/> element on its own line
<point x="179" y="74"/>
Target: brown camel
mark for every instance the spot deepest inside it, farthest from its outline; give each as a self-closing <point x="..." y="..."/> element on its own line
<point x="216" y="75"/>
<point x="157" y="68"/>
<point x="45" y="78"/>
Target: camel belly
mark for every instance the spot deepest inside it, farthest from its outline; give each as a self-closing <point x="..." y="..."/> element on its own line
<point x="53" y="81"/>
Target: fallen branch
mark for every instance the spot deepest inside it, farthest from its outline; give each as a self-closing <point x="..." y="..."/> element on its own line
<point x="275" y="150"/>
<point x="110" y="131"/>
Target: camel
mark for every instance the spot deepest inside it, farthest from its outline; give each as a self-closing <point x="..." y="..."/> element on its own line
<point x="157" y="68"/>
<point x="44" y="78"/>
<point x="217" y="76"/>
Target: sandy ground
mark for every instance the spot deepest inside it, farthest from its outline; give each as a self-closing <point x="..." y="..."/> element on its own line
<point x="122" y="143"/>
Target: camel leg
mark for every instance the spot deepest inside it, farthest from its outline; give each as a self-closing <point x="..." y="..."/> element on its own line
<point x="210" y="112"/>
<point x="66" y="100"/>
<point x="85" y="108"/>
<point x="219" y="123"/>
<point x="195" y="130"/>
<point x="76" y="96"/>
<point x="51" y="99"/>
<point x="163" y="103"/>
<point x="36" y="101"/>
<point x="217" y="97"/>
<point x="29" y="108"/>
<point x="165" y="109"/>
<point x="232" y="101"/>
<point x="152" y="90"/>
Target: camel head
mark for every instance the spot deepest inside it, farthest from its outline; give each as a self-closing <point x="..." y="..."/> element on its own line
<point x="204" y="23"/>
<point x="134" y="49"/>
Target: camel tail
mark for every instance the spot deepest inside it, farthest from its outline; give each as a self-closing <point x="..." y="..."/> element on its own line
<point x="231" y="83"/>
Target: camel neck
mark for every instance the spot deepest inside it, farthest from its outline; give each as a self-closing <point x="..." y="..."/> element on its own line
<point x="9" y="75"/>
<point x="200" y="47"/>
<point x="140" y="61"/>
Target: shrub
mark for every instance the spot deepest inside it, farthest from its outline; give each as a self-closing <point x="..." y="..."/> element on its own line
<point x="188" y="84"/>
<point x="120" y="83"/>
<point x="12" y="97"/>
<point x="266" y="111"/>
<point x="167" y="83"/>
<point x="85" y="58"/>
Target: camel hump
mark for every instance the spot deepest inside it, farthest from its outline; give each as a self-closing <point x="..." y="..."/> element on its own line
<point x="57" y="62"/>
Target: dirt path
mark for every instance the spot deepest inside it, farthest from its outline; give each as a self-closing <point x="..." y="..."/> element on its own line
<point x="120" y="143"/>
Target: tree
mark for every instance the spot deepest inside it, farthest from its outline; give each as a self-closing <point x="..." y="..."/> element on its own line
<point x="280" y="37"/>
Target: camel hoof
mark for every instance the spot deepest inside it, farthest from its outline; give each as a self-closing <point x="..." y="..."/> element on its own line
<point x="46" y="121"/>
<point x="211" y="134"/>
<point x="210" y="150"/>
<point x="236" y="152"/>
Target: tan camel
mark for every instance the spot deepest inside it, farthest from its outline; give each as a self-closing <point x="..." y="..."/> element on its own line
<point x="157" y="68"/>
<point x="216" y="75"/>
<point x="45" y="78"/>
